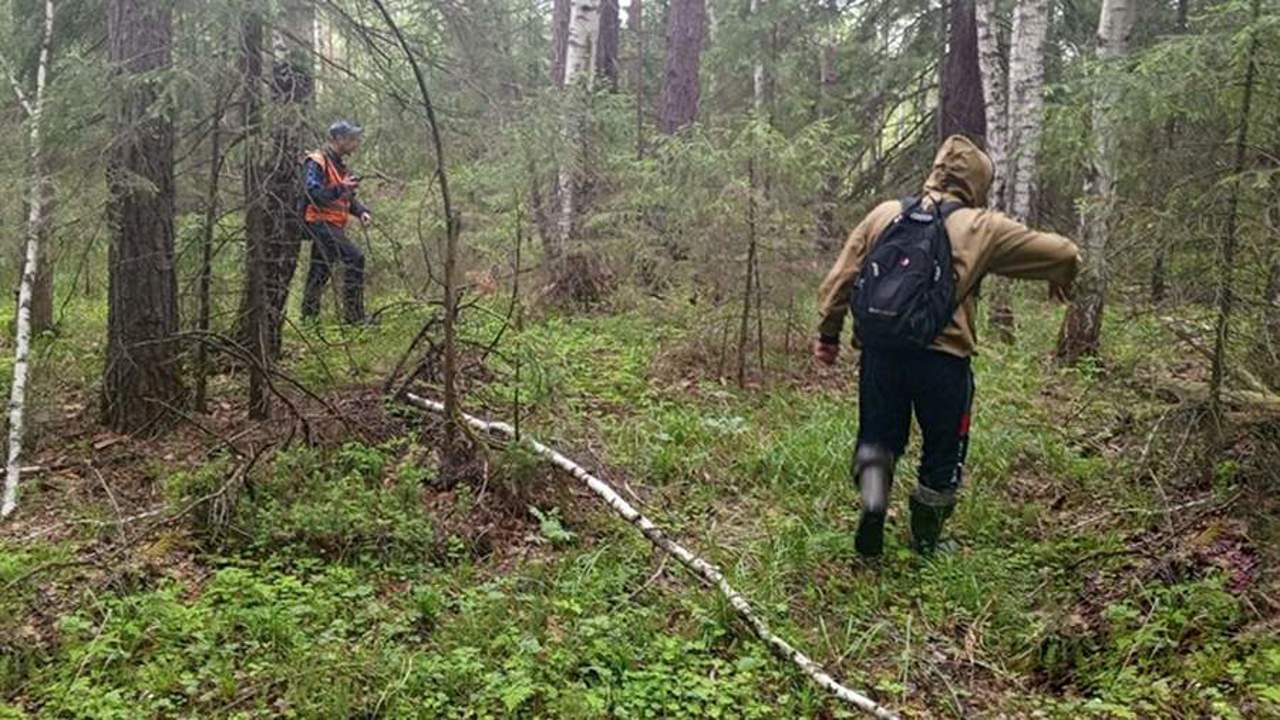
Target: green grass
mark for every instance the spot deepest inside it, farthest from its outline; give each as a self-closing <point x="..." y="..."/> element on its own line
<point x="333" y="591"/>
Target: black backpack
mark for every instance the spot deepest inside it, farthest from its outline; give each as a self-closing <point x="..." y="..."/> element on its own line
<point x="906" y="291"/>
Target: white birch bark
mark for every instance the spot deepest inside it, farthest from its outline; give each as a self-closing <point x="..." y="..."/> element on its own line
<point x="996" y="95"/>
<point x="1082" y="326"/>
<point x="584" y="27"/>
<point x="700" y="567"/>
<point x="35" y="224"/>
<point x="1026" y="103"/>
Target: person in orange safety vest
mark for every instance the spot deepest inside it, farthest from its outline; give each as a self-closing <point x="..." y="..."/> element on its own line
<point x="330" y="190"/>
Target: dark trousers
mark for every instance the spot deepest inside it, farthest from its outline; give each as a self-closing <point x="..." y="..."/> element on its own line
<point x="329" y="245"/>
<point x="938" y="388"/>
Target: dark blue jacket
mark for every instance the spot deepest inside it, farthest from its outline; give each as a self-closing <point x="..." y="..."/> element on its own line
<point x="321" y="196"/>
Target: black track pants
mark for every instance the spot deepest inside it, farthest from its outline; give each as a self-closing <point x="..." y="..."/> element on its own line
<point x="938" y="388"/>
<point x="329" y="245"/>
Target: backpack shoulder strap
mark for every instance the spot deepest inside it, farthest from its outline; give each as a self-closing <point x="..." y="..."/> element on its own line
<point x="909" y="202"/>
<point x="949" y="207"/>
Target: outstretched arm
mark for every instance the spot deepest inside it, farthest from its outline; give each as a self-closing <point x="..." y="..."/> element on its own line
<point x="1016" y="251"/>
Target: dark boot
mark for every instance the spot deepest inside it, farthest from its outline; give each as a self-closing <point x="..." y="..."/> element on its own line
<point x="929" y="512"/>
<point x="873" y="471"/>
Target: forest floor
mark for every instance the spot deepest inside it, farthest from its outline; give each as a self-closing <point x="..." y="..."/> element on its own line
<point x="1106" y="566"/>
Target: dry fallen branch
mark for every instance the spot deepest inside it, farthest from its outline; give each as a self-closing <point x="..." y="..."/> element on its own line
<point x="700" y="567"/>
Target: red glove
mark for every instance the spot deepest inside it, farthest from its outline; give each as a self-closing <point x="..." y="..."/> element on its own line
<point x="825" y="351"/>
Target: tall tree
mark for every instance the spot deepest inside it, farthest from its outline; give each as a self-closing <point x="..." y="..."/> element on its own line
<point x="1161" y="253"/>
<point x="635" y="16"/>
<point x="560" y="11"/>
<point x="584" y="27"/>
<point x="1082" y="327"/>
<point x="257" y="217"/>
<point x="995" y="90"/>
<point x="961" y="109"/>
<point x="142" y="377"/>
<point x="681" y="88"/>
<point x="37" y="224"/>
<point x="828" y="236"/>
<point x="291" y="88"/>
<point x="1227" y="250"/>
<point x="995" y="84"/>
<point x="1026" y="102"/>
<point x="607" y="44"/>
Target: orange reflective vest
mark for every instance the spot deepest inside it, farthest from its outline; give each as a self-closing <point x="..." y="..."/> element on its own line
<point x="337" y="212"/>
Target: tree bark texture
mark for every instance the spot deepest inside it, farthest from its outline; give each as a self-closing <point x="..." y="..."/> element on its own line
<point x="1227" y="251"/>
<point x="291" y="87"/>
<point x="1082" y="327"/>
<point x="560" y="11"/>
<point x="962" y="110"/>
<point x="828" y="235"/>
<point x="681" y="88"/>
<point x="635" y="15"/>
<point x="995" y="89"/>
<point x="584" y="26"/>
<point x="1026" y="103"/>
<point x="607" y="45"/>
<point x="257" y="219"/>
<point x="142" y="374"/>
<point x="37" y="224"/>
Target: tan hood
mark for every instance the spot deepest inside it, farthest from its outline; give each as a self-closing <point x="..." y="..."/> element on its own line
<point x="962" y="170"/>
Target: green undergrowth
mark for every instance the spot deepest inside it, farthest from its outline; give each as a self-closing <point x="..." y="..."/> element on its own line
<point x="331" y="586"/>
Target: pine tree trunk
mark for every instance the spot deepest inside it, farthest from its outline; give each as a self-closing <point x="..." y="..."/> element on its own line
<point x="205" y="282"/>
<point x="1227" y="260"/>
<point x="291" y="92"/>
<point x="1082" y="327"/>
<point x="1160" y="254"/>
<point x="686" y="27"/>
<point x="962" y="110"/>
<point x="257" y="220"/>
<point x="828" y="235"/>
<point x="607" y="46"/>
<point x="142" y="377"/>
<point x="636" y="18"/>
<point x="560" y="11"/>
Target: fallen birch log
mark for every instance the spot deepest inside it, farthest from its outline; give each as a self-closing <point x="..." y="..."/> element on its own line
<point x="700" y="567"/>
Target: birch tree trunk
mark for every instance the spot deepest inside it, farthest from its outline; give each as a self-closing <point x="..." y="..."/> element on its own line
<point x="1026" y="103"/>
<point x="681" y="89"/>
<point x="36" y="228"/>
<point x="709" y="573"/>
<point x="584" y="26"/>
<point x="1227" y="260"/>
<point x="995" y="93"/>
<point x="141" y="378"/>
<point x="995" y="84"/>
<point x="1082" y="327"/>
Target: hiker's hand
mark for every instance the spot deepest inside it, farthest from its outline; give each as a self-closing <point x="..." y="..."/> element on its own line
<point x="826" y="352"/>
<point x="366" y="219"/>
<point x="1061" y="293"/>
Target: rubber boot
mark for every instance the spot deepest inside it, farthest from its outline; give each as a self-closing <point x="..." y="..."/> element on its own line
<point x="874" y="472"/>
<point x="929" y="512"/>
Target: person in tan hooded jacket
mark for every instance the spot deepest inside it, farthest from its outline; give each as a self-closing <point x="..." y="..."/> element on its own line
<point x="935" y="383"/>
